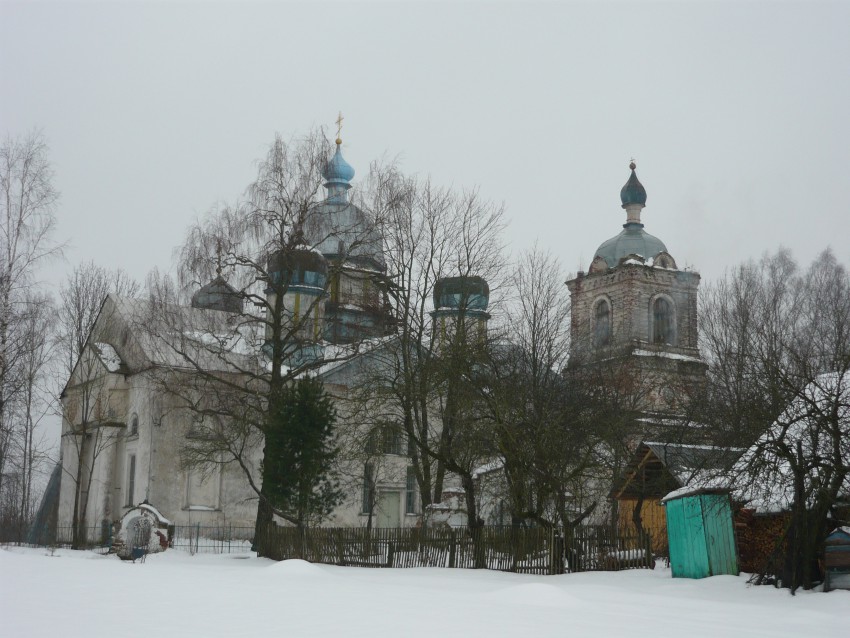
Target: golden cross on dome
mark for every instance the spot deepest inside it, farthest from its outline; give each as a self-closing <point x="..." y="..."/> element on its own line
<point x="339" y="128"/>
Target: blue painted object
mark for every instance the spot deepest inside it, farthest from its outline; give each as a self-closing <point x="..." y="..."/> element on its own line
<point x="836" y="560"/>
<point x="700" y="534"/>
<point x="338" y="175"/>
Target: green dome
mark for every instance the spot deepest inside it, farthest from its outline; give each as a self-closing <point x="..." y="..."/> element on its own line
<point x="633" y="192"/>
<point x="468" y="293"/>
<point x="632" y="240"/>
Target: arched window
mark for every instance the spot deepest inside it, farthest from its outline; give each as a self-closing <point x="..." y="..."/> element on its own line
<point x="602" y="323"/>
<point x="134" y="425"/>
<point x="663" y="322"/>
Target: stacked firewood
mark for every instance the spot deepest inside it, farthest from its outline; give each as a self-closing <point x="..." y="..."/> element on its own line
<point x="761" y="540"/>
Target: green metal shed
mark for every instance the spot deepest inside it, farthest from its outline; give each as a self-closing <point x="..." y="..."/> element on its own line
<point x="700" y="533"/>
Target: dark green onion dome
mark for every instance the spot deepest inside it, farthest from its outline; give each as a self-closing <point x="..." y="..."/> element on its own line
<point x="471" y="294"/>
<point x="633" y="192"/>
<point x="302" y="268"/>
<point x="218" y="295"/>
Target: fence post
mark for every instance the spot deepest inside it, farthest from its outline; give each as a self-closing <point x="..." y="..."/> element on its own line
<point x="650" y="557"/>
<point x="452" y="548"/>
<point x="197" y="536"/>
<point x="390" y="552"/>
<point x="556" y="552"/>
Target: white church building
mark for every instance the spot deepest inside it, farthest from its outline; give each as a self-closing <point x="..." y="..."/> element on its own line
<point x="122" y="436"/>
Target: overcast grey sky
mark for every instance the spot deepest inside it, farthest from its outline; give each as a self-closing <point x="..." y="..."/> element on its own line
<point x="738" y="114"/>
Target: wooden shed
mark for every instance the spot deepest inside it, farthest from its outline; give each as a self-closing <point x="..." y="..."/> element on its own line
<point x="655" y="469"/>
<point x="700" y="533"/>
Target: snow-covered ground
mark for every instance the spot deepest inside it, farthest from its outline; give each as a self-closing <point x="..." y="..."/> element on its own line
<point x="175" y="594"/>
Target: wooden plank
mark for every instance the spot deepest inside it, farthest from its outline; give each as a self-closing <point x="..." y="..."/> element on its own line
<point x="699" y="566"/>
<point x="688" y="553"/>
<point x="719" y="534"/>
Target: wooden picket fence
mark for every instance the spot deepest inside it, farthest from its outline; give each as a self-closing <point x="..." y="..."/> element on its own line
<point x="535" y="550"/>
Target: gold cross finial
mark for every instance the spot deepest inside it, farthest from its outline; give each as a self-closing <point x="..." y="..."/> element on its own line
<point x="339" y="128"/>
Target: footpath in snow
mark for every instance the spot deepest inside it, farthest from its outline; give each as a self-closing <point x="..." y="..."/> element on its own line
<point x="81" y="594"/>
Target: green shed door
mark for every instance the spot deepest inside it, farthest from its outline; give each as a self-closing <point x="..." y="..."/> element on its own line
<point x="719" y="534"/>
<point x="686" y="534"/>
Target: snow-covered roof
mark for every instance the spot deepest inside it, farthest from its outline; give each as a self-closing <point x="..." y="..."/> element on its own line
<point x="710" y="487"/>
<point x="147" y="507"/>
<point x="666" y="355"/>
<point x="491" y="466"/>
<point x="186" y="337"/>
<point x="108" y="356"/>
<point x="764" y="476"/>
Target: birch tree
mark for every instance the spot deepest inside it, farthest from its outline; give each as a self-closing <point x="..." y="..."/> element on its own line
<point x="230" y="370"/>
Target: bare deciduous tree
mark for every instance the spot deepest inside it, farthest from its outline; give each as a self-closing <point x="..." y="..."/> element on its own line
<point x="27" y="203"/>
<point x="778" y="344"/>
<point x="420" y="382"/>
<point x="229" y="369"/>
<point x="88" y="429"/>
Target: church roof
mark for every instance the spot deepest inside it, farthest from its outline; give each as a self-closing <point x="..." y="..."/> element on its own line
<point x="218" y="295"/>
<point x="177" y="336"/>
<point x="632" y="240"/>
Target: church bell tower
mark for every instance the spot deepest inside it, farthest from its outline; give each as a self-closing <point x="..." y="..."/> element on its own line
<point x="637" y="311"/>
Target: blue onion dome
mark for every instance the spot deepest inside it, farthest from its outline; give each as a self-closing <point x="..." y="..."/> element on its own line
<point x="340" y="230"/>
<point x="218" y="295"/>
<point x="337" y="170"/>
<point x="633" y="192"/>
<point x="461" y="293"/>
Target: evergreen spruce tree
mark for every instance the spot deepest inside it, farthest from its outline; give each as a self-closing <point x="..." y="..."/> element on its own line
<point x="297" y="468"/>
